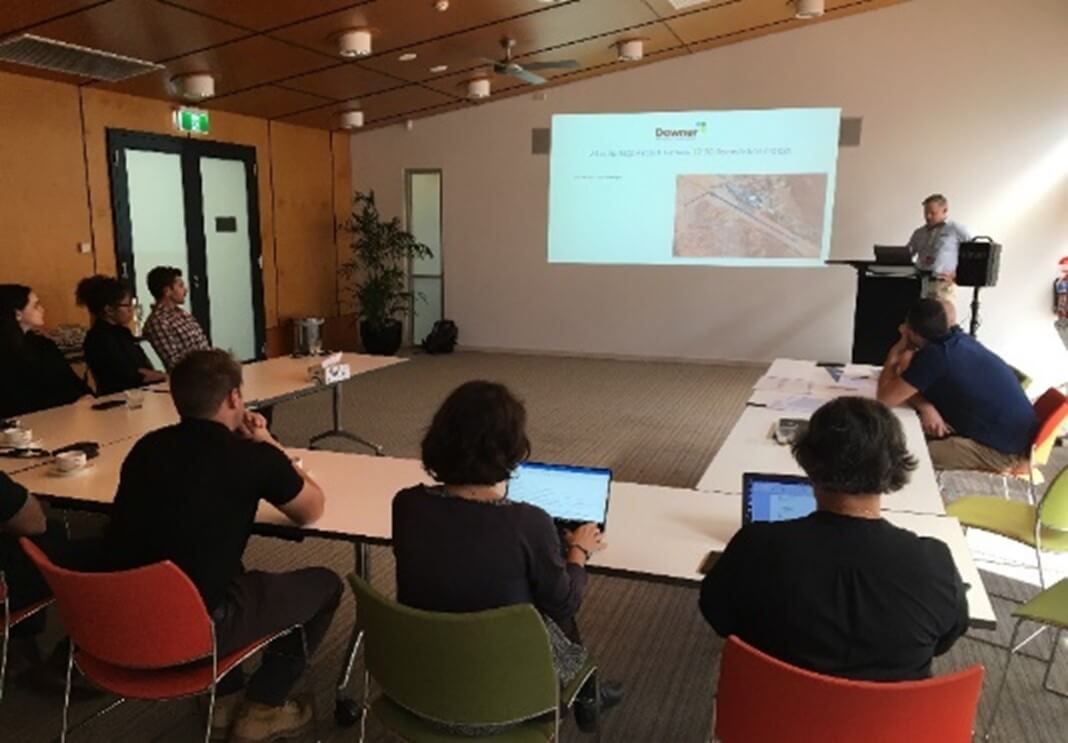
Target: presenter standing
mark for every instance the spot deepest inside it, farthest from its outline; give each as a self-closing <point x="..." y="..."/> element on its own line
<point x="935" y="245"/>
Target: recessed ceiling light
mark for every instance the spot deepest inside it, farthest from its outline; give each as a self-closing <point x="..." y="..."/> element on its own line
<point x="439" y="68"/>
<point x="478" y="89"/>
<point x="407" y="56"/>
<point x="807" y="9"/>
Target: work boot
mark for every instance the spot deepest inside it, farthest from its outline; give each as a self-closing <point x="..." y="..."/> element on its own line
<point x="225" y="712"/>
<point x="589" y="711"/>
<point x="258" y="723"/>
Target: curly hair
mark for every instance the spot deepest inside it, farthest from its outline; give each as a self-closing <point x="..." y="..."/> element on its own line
<point x="97" y="293"/>
<point x="855" y="446"/>
<point x="477" y="437"/>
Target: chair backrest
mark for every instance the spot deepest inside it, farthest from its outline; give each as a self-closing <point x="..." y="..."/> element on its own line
<point x="1052" y="411"/>
<point x="484" y="668"/>
<point x="1053" y="510"/>
<point x="761" y="699"/>
<point x="148" y="617"/>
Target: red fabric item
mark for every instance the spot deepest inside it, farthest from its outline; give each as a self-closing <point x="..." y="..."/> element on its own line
<point x="761" y="699"/>
<point x="145" y="618"/>
<point x="1051" y="409"/>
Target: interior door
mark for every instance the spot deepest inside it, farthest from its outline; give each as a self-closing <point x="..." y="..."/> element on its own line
<point x="193" y="205"/>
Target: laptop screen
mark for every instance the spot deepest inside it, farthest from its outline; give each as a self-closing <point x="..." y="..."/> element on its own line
<point x="775" y="498"/>
<point x="574" y="494"/>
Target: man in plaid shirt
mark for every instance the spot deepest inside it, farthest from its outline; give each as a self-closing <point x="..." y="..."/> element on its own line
<point x="172" y="331"/>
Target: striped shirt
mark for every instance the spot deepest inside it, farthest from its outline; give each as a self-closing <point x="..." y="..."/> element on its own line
<point x="174" y="333"/>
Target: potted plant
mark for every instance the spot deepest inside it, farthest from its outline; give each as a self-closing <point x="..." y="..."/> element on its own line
<point x="381" y="254"/>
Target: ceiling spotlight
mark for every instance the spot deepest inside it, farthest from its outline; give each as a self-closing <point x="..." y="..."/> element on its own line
<point x="407" y="56"/>
<point x="441" y="5"/>
<point x="194" y="87"/>
<point x="808" y="8"/>
<point x="354" y="43"/>
<point x="351" y="119"/>
<point x="478" y="88"/>
<point x="439" y="68"/>
<point x="631" y="50"/>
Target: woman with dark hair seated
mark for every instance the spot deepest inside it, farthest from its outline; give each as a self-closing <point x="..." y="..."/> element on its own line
<point x="114" y="356"/>
<point x="34" y="375"/>
<point x="462" y="546"/>
<point x="841" y="591"/>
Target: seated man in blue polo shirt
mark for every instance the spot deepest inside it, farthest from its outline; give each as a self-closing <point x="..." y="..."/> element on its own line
<point x="972" y="406"/>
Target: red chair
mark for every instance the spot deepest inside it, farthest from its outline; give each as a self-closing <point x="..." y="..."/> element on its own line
<point x="762" y="700"/>
<point x="10" y="619"/>
<point x="140" y="634"/>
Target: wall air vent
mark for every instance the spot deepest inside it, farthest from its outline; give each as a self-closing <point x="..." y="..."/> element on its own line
<point x="72" y="59"/>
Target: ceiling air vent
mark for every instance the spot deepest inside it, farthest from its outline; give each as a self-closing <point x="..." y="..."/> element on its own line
<point x="80" y="61"/>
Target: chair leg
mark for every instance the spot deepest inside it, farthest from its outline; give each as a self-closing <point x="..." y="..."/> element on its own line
<point x="597" y="706"/>
<point x="1001" y="684"/>
<point x="66" y="692"/>
<point x="366" y="705"/>
<point x="211" y="713"/>
<point x="3" y="642"/>
<point x="1049" y="666"/>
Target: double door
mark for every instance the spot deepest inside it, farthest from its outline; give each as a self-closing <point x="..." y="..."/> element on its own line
<point x="193" y="205"/>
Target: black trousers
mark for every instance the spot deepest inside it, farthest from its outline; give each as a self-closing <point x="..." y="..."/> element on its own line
<point x="259" y="604"/>
<point x="25" y="586"/>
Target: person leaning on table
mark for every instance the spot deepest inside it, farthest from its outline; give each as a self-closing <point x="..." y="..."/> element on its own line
<point x="842" y="591"/>
<point x="462" y="546"/>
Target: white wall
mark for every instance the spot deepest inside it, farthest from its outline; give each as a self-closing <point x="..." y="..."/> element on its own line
<point x="966" y="97"/>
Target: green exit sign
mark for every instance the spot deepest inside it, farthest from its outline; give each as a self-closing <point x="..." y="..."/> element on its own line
<point x="191" y="120"/>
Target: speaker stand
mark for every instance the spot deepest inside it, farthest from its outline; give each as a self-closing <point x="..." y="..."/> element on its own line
<point x="973" y="326"/>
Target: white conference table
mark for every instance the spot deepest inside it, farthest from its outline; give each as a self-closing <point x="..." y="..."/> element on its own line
<point x="652" y="532"/>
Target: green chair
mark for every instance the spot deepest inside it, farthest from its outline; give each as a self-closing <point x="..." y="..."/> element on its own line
<point x="1050" y="609"/>
<point x="1043" y="527"/>
<point x="486" y="668"/>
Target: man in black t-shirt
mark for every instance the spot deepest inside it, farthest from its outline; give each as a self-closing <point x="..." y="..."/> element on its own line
<point x="189" y="493"/>
<point x="842" y="591"/>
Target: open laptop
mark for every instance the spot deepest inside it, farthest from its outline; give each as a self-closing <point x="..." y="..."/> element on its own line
<point x="571" y="495"/>
<point x="775" y="497"/>
<point x="893" y="255"/>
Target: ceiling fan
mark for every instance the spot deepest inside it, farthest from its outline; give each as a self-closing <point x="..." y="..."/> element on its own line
<point x="526" y="72"/>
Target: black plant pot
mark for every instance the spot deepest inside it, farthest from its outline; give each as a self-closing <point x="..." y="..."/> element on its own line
<point x="381" y="340"/>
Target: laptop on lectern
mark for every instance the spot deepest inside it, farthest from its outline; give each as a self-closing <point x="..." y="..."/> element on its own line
<point x="893" y="255"/>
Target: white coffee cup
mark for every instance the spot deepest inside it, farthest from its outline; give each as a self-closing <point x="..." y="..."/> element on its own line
<point x="69" y="461"/>
<point x="18" y="437"/>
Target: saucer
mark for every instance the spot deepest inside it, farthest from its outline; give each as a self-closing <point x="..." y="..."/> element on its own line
<point x="54" y="471"/>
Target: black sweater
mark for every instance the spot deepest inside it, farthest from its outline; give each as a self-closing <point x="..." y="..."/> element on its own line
<point x="37" y="377"/>
<point x="114" y="357"/>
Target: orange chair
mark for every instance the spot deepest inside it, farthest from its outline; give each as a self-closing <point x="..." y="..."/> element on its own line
<point x="141" y="634"/>
<point x="763" y="700"/>
<point x="10" y="619"/>
<point x="1052" y="412"/>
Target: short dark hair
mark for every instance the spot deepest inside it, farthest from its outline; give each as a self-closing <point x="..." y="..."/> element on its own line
<point x="929" y="319"/>
<point x="162" y="278"/>
<point x="477" y="437"/>
<point x="96" y="293"/>
<point x="855" y="446"/>
<point x="202" y="380"/>
<point x="935" y="198"/>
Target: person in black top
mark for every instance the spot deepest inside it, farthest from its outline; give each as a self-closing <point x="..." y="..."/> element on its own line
<point x="841" y="591"/>
<point x="114" y="356"/>
<point x="463" y="547"/>
<point x="34" y="375"/>
<point x="189" y="493"/>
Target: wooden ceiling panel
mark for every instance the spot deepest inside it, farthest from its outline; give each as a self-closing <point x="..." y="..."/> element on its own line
<point x="236" y="66"/>
<point x="401" y="23"/>
<point x="602" y="51"/>
<point x="143" y="29"/>
<point x="665" y="9"/>
<point x="343" y="82"/>
<point x="16" y="15"/>
<point x="262" y="15"/>
<point x="552" y="27"/>
<point x="392" y="103"/>
<point x="267" y="102"/>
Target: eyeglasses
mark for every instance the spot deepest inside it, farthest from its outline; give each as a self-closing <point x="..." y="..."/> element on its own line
<point x="124" y="304"/>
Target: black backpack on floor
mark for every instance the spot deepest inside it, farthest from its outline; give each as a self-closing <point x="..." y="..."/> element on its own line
<point x="442" y="337"/>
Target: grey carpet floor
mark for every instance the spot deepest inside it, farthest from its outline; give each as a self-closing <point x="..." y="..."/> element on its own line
<point x="651" y="422"/>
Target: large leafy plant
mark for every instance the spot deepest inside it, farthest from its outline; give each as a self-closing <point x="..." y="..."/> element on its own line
<point x="382" y="252"/>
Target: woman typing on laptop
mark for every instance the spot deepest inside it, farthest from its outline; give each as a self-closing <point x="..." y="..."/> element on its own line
<point x="462" y="546"/>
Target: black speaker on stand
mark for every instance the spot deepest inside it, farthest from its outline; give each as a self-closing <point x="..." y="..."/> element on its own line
<point x="978" y="262"/>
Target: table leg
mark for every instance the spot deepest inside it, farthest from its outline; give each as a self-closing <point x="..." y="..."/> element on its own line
<point x="339" y="431"/>
<point x="347" y="711"/>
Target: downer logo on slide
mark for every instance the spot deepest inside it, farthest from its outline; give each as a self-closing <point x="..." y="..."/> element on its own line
<point x="699" y="128"/>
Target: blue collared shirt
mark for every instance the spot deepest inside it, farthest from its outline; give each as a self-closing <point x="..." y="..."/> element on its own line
<point x="935" y="248"/>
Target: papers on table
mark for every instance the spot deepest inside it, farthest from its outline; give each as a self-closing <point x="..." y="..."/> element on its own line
<point x="801" y="386"/>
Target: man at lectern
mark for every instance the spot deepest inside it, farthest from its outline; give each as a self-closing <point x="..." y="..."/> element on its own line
<point x="935" y="245"/>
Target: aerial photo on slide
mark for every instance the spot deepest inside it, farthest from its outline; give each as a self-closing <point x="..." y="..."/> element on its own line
<point x="749" y="216"/>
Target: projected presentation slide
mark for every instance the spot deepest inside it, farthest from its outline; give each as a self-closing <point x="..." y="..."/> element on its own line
<point x="742" y="188"/>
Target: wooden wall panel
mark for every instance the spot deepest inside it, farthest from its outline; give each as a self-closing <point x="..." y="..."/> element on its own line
<point x="44" y="213"/>
<point x="305" y="247"/>
<point x="341" y="151"/>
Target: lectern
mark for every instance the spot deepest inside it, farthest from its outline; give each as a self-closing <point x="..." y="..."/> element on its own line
<point x="884" y="295"/>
